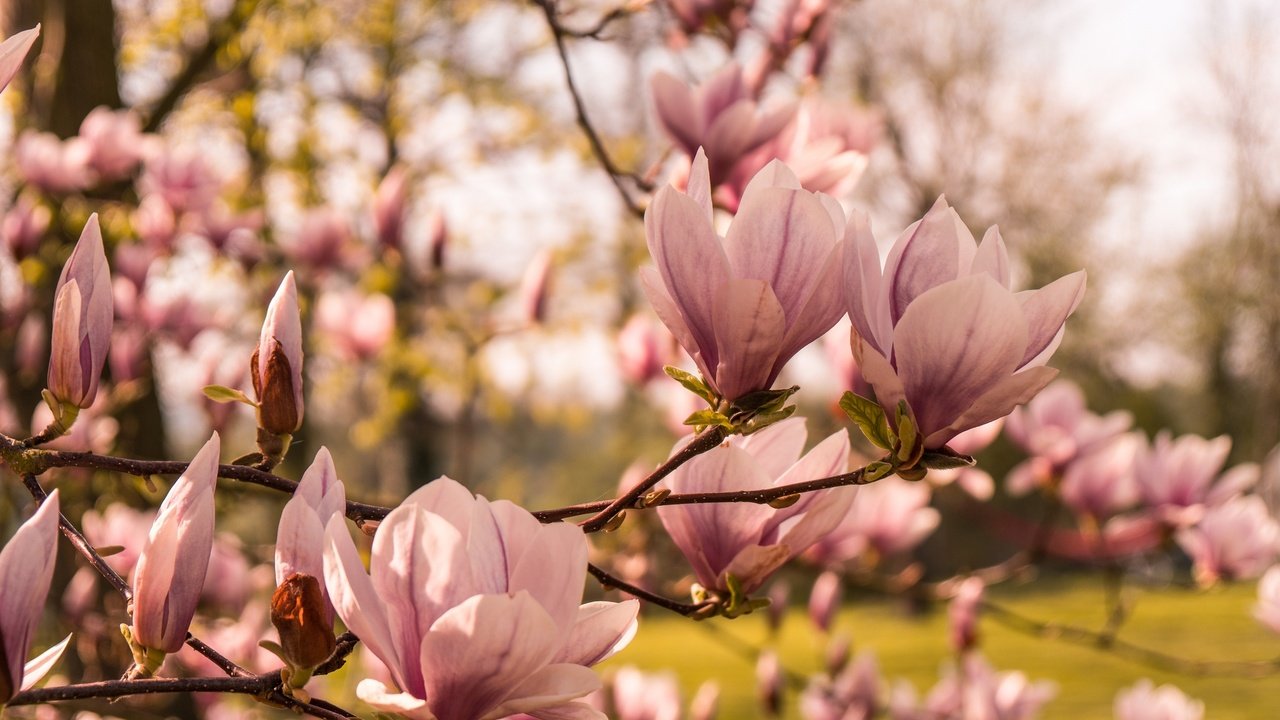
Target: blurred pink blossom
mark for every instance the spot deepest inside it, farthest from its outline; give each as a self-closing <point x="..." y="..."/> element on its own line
<point x="1055" y="428"/>
<point x="1236" y="540"/>
<point x="720" y="116"/>
<point x="24" y="226"/>
<point x="358" y="325"/>
<point x="321" y="241"/>
<point x="1267" y="611"/>
<point x="1145" y="701"/>
<point x="887" y="517"/>
<point x="976" y="691"/>
<point x="119" y="526"/>
<point x="1177" y="478"/>
<point x="388" y="209"/>
<point x="155" y="222"/>
<point x="963" y="614"/>
<point x="1101" y="483"/>
<point x="853" y="694"/>
<point x="645" y="696"/>
<point x="55" y="166"/>
<point x="114" y="139"/>
<point x="644" y="348"/>
<point x="940" y="329"/>
<point x="824" y="600"/>
<point x="180" y="175"/>
<point x="747" y="540"/>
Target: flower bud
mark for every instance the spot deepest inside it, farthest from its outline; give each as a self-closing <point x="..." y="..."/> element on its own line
<point x="298" y="612"/>
<point x="175" y="559"/>
<point x="534" y="289"/>
<point x="26" y="567"/>
<point x="769" y="683"/>
<point x="276" y="365"/>
<point x="824" y="600"/>
<point x="82" y="316"/>
<point x="389" y="207"/>
<point x="963" y="613"/>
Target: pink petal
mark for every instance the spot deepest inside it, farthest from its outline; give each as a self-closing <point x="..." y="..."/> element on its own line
<point x="772" y="176"/>
<point x="447" y="498"/>
<point x="699" y="185"/>
<point x="601" y="630"/>
<point x="669" y="314"/>
<point x="936" y="249"/>
<point x="13" y="51"/>
<point x="26" y="568"/>
<point x="749" y="326"/>
<point x="753" y="565"/>
<point x="401" y="703"/>
<point x="34" y="671"/>
<point x="553" y="568"/>
<point x="778" y="446"/>
<point x="356" y="601"/>
<point x="676" y="111"/>
<point x="996" y="402"/>
<point x="550" y="687"/>
<point x="729" y="136"/>
<point x="820" y="311"/>
<point x="993" y="257"/>
<point x="1046" y="310"/>
<point x="956" y="342"/>
<point x="782" y="237"/>
<point x="864" y="294"/>
<point x="480" y="651"/>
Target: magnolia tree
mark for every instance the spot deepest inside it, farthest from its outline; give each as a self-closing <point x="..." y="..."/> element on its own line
<point x="469" y="608"/>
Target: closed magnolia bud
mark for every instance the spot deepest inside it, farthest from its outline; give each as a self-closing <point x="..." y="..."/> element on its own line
<point x="299" y="614"/>
<point x="82" y="316"/>
<point x="13" y="51"/>
<point x="824" y="600"/>
<point x="534" y="288"/>
<point x="276" y="365"/>
<point x="769" y="683"/>
<point x="963" y="613"/>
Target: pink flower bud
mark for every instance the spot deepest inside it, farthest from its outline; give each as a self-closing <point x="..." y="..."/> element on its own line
<point x="319" y="497"/>
<point x="276" y="364"/>
<point x="963" y="612"/>
<point x="534" y="289"/>
<point x="643" y="348"/>
<point x="175" y="557"/>
<point x="13" y="51"/>
<point x="26" y="567"/>
<point x="706" y="702"/>
<point x="769" y="682"/>
<point x="114" y="140"/>
<point x="359" y="325"/>
<point x="82" y="316"/>
<point x="389" y="207"/>
<point x="824" y="600"/>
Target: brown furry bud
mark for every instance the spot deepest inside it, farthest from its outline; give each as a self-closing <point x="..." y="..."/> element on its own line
<point x="297" y="611"/>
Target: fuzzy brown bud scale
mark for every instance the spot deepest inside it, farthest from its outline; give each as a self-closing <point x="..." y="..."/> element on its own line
<point x="298" y="613"/>
<point x="277" y="407"/>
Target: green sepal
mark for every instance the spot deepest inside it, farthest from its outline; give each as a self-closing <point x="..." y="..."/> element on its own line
<point x="692" y="383"/>
<point x="760" y="422"/>
<point x="224" y="394"/>
<point x="763" y="402"/>
<point x="708" y="418"/>
<point x="944" y="458"/>
<point x="274" y="648"/>
<point x="876" y="470"/>
<point x="870" y="419"/>
<point x="908" y="436"/>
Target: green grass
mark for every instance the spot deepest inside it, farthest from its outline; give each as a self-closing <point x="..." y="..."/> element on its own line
<point x="1215" y="625"/>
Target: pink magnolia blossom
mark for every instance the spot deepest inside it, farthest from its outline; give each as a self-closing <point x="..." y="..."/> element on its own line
<point x="825" y="145"/>
<point x="940" y="328"/>
<point x="742" y="305"/>
<point x="720" y="116"/>
<point x="1101" y="483"/>
<point x="1179" y="478"/>
<point x="320" y="496"/>
<point x="114" y="139"/>
<point x="182" y="176"/>
<point x="824" y="600"/>
<point x="26" y="568"/>
<point x="644" y="348"/>
<point x="1055" y="428"/>
<point x="748" y="540"/>
<point x="389" y="207"/>
<point x="276" y="365"/>
<point x="977" y="690"/>
<point x="13" y="51"/>
<point x="473" y="606"/>
<point x="53" y="165"/>
<point x="358" y="325"/>
<point x="645" y="696"/>
<point x="1267" y="611"/>
<point x="854" y="693"/>
<point x="962" y="613"/>
<point x="155" y="222"/>
<point x="24" y="226"/>
<point x="1236" y="540"/>
<point x="887" y="517"/>
<point x="1145" y="701"/>
<point x="174" y="559"/>
<point x="82" y="317"/>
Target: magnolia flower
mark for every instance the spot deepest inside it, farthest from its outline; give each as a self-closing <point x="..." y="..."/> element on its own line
<point x="887" y="517"/>
<point x="1176" y="478"/>
<point x="747" y="540"/>
<point x="963" y="613"/>
<point x="359" y="325"/>
<point x="1145" y="701"/>
<point x="26" y="568"/>
<point x="174" y="560"/>
<point x="720" y="117"/>
<point x="852" y="694"/>
<point x="276" y="364"/>
<point x="976" y="691"/>
<point x="319" y="497"/>
<point x="645" y="696"/>
<point x="320" y="240"/>
<point x="473" y="606"/>
<point x="644" y="347"/>
<point x="824" y="600"/>
<point x="183" y="176"/>
<point x="389" y="207"/>
<point x="115" y="142"/>
<point x="743" y="304"/>
<point x="82" y="316"/>
<point x="1056" y="428"/>
<point x="54" y="165"/>
<point x="1236" y="540"/>
<point x="940" y="329"/>
<point x="1101" y="483"/>
<point x="1267" y="611"/>
<point x="13" y="51"/>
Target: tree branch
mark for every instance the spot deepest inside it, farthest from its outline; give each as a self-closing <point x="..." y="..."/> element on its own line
<point x="610" y="582"/>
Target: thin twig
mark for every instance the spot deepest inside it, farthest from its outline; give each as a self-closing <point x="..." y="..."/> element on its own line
<point x="594" y="32"/>
<point x="708" y="439"/>
<point x="615" y="174"/>
<point x="610" y="582"/>
<point x="79" y="541"/>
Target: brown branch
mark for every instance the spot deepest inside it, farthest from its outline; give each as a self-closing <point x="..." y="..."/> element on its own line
<point x="708" y="439"/>
<point x="594" y="32"/>
<point x="611" y="582"/>
<point x="615" y="173"/>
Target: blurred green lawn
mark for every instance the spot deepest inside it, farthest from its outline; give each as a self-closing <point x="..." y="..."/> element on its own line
<point x="1213" y="625"/>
